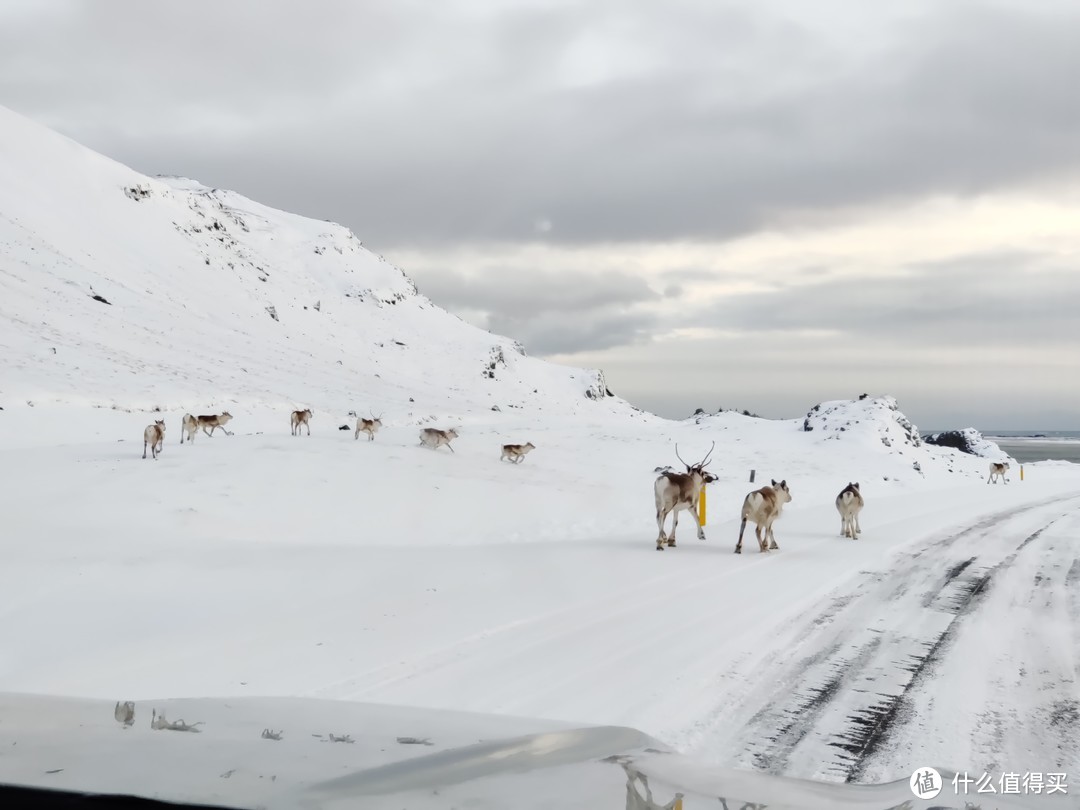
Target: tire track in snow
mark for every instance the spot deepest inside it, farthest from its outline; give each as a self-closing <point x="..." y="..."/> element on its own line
<point x="867" y="648"/>
<point x="1008" y="677"/>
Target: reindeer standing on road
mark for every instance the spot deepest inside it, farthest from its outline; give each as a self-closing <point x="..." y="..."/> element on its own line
<point x="678" y="491"/>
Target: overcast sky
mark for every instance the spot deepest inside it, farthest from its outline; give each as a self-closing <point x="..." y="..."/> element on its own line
<point x="741" y="204"/>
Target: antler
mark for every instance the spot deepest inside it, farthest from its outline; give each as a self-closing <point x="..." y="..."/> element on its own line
<point x="678" y="456"/>
<point x="704" y="460"/>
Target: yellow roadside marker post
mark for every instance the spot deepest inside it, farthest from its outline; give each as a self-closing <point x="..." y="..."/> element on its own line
<point x="701" y="506"/>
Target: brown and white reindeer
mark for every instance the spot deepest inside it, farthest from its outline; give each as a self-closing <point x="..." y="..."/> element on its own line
<point x="998" y="470"/>
<point x="188" y="427"/>
<point x="369" y="426"/>
<point x="214" y="422"/>
<point x="299" y="418"/>
<point x="516" y="452"/>
<point x="849" y="503"/>
<point x="154" y="438"/>
<point x="434" y="439"/>
<point x="762" y="506"/>
<point x="678" y="491"/>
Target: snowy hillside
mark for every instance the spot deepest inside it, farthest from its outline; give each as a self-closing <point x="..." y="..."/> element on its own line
<point x="260" y="564"/>
<point x="117" y="289"/>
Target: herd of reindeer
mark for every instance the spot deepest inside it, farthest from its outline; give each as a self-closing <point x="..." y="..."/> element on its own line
<point x="675" y="492"/>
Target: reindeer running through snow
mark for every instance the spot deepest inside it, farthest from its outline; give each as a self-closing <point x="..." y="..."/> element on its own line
<point x="154" y="438"/>
<point x="677" y="491"/>
<point x="998" y="470"/>
<point x="849" y="503"/>
<point x="434" y="439"/>
<point x="762" y="506"/>
<point x="299" y="418"/>
<point x="516" y="452"/>
<point x="214" y="422"/>
<point x="369" y="426"/>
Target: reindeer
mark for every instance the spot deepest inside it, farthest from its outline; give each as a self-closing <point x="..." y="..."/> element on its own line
<point x="516" y="452"/>
<point x="434" y="439"/>
<point x="154" y="438"/>
<point x="299" y="418"/>
<point x="998" y="470"/>
<point x="369" y="426"/>
<point x="763" y="507"/>
<point x="677" y="491"/>
<point x="214" y="422"/>
<point x="849" y="503"/>
<point x="188" y="427"/>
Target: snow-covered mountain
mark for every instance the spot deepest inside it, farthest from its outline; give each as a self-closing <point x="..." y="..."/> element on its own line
<point x="117" y="289"/>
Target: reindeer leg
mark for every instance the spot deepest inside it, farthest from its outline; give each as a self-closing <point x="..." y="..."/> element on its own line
<point x="674" y="525"/>
<point x="742" y="528"/>
<point x="694" y="514"/>
<point x="144" y="449"/>
<point x="772" y="538"/>
<point x="308" y="430"/>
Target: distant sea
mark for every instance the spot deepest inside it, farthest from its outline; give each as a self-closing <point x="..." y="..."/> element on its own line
<point x="1038" y="445"/>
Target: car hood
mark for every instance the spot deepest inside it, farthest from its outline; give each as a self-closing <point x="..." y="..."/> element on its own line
<point x="299" y="753"/>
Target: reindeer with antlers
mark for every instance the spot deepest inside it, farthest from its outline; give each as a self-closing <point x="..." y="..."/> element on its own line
<point x="677" y="491"/>
<point x="368" y="426"/>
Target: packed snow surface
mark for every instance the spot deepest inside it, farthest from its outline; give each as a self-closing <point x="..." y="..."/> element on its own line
<point x="263" y="564"/>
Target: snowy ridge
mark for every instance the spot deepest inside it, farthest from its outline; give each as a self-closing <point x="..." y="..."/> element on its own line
<point x="865" y="417"/>
<point x="118" y="289"/>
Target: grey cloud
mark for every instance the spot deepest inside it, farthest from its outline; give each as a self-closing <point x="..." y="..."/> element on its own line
<point x="674" y="291"/>
<point x="569" y="333"/>
<point x="1004" y="299"/>
<point x="424" y="124"/>
<point x="550" y="312"/>
<point x="518" y="294"/>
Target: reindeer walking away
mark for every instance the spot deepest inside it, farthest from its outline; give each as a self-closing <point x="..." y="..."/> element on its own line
<point x="434" y="439"/>
<point x="369" y="426"/>
<point x="678" y="491"/>
<point x="299" y="418"/>
<point x="849" y="503"/>
<point x="188" y="427"/>
<point x="154" y="438"/>
<point x="763" y="507"/>
<point x="998" y="470"/>
<point x="516" y="452"/>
